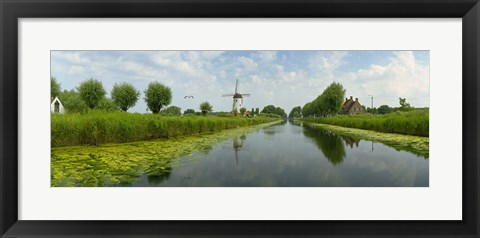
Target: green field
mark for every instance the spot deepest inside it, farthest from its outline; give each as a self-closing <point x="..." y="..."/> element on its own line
<point x="96" y="128"/>
<point x="407" y="123"/>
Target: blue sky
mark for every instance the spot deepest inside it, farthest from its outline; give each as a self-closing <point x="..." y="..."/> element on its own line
<point x="282" y="78"/>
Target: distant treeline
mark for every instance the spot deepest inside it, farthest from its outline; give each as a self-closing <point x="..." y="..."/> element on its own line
<point x="271" y="110"/>
<point x="99" y="127"/>
<point x="414" y="122"/>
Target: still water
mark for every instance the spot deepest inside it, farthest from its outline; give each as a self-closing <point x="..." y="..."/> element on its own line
<point x="295" y="154"/>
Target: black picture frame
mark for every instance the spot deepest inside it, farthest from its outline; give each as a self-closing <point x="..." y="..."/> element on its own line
<point x="11" y="11"/>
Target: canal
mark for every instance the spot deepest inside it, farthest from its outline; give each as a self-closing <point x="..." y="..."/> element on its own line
<point x="293" y="154"/>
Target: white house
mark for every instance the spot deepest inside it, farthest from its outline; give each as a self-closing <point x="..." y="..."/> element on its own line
<point x="56" y="106"/>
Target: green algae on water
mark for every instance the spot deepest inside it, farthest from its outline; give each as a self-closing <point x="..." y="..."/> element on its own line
<point x="123" y="164"/>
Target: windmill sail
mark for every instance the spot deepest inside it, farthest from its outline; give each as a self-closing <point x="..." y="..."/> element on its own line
<point x="236" y="87"/>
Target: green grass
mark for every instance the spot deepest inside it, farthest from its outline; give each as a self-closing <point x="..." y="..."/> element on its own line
<point x="407" y="123"/>
<point x="96" y="128"/>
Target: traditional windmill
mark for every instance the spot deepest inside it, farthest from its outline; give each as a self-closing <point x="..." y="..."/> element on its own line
<point x="237" y="98"/>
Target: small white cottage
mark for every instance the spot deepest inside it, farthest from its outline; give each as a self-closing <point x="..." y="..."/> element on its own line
<point x="56" y="106"/>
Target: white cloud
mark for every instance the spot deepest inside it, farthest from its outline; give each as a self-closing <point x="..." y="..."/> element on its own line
<point x="266" y="56"/>
<point x="76" y="69"/>
<point x="373" y="71"/>
<point x="248" y="63"/>
<point x="71" y="57"/>
<point x="282" y="81"/>
<point x="402" y="77"/>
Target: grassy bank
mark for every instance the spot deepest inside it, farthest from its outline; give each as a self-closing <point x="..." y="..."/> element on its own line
<point x="418" y="145"/>
<point x="407" y="123"/>
<point x="117" y="127"/>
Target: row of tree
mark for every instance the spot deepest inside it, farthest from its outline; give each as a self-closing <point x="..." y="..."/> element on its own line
<point x="326" y="104"/>
<point x="271" y="109"/>
<point x="296" y="112"/>
<point x="91" y="94"/>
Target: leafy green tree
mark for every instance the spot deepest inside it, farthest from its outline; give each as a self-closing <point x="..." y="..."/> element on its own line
<point x="326" y="104"/>
<point x="124" y="95"/>
<point x="91" y="91"/>
<point x="205" y="107"/>
<point x="242" y="111"/>
<point x="253" y="111"/>
<point x="257" y="111"/>
<point x="172" y="111"/>
<point x="372" y="110"/>
<point x="107" y="104"/>
<point x="307" y="110"/>
<point x="331" y="100"/>
<point x="55" y="88"/>
<point x="279" y="111"/>
<point x="296" y="114"/>
<point x="404" y="106"/>
<point x="157" y="96"/>
<point x="269" y="109"/>
<point x="72" y="102"/>
<point x="189" y="111"/>
<point x="295" y="109"/>
<point x="384" y="109"/>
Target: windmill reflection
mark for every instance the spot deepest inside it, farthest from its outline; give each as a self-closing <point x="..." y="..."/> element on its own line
<point x="237" y="145"/>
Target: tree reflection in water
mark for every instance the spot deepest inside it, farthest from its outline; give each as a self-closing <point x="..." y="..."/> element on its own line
<point x="277" y="128"/>
<point x="328" y="142"/>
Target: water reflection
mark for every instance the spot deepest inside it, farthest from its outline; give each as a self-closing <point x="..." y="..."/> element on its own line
<point x="350" y="141"/>
<point x="159" y="178"/>
<point x="300" y="156"/>
<point x="282" y="155"/>
<point x="328" y="142"/>
<point x="237" y="145"/>
<point x="158" y="170"/>
<point x="277" y="128"/>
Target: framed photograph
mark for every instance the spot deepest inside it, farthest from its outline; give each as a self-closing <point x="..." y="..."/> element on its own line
<point x="226" y="118"/>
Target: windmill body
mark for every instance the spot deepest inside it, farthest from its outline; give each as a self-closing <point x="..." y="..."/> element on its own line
<point x="237" y="102"/>
<point x="237" y="99"/>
